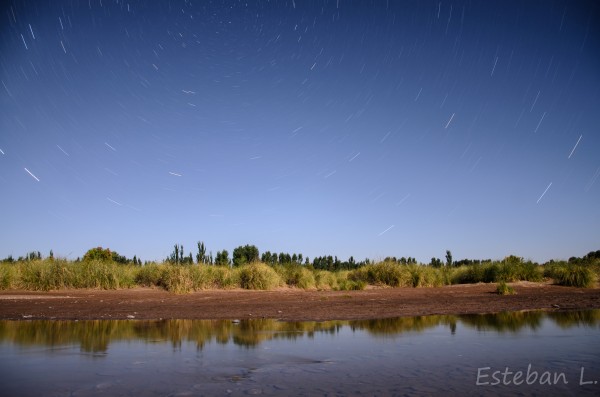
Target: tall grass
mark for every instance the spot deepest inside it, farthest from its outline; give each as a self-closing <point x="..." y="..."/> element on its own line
<point x="491" y="272"/>
<point x="396" y="275"/>
<point x="297" y="276"/>
<point x="383" y="273"/>
<point x="8" y="275"/>
<point x="571" y="275"/>
<point x="54" y="274"/>
<point x="259" y="276"/>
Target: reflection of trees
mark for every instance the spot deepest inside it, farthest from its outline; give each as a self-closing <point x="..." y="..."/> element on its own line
<point x="516" y="321"/>
<point x="395" y="326"/>
<point x="589" y="318"/>
<point x="96" y="335"/>
<point x="93" y="336"/>
<point x="504" y="321"/>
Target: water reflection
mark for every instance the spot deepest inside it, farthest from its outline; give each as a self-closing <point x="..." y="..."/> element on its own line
<point x="95" y="336"/>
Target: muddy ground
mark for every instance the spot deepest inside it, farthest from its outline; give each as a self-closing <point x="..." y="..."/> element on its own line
<point x="290" y="304"/>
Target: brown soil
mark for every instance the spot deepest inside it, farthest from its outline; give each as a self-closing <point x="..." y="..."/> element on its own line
<point x="291" y="304"/>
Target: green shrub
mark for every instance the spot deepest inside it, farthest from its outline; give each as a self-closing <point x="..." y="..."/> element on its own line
<point x="258" y="276"/>
<point x="102" y="275"/>
<point x="149" y="275"/>
<point x="223" y="277"/>
<point x="8" y="276"/>
<point x="504" y="289"/>
<point x="177" y="279"/>
<point x="472" y="274"/>
<point x="572" y="275"/>
<point x="383" y="273"/>
<point x="530" y="271"/>
<point x="325" y="280"/>
<point x="350" y="285"/>
<point x="296" y="276"/>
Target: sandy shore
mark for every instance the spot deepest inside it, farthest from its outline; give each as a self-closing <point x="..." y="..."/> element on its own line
<point x="290" y="304"/>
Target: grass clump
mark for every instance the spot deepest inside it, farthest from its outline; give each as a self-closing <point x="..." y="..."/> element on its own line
<point x="8" y="276"/>
<point x="53" y="274"/>
<point x="325" y="280"/>
<point x="571" y="275"/>
<point x="504" y="289"/>
<point x="258" y="276"/>
<point x="223" y="277"/>
<point x="423" y="276"/>
<point x="297" y="276"/>
<point x="382" y="273"/>
<point x="177" y="279"/>
<point x="149" y="275"/>
<point x="510" y="269"/>
<point x="102" y="275"/>
<point x="343" y="282"/>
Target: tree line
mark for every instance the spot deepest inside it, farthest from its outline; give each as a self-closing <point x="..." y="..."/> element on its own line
<point x="250" y="253"/>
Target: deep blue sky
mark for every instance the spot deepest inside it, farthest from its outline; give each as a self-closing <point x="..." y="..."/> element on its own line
<point x="341" y="128"/>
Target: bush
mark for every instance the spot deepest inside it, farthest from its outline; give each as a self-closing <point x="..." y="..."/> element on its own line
<point x="425" y="276"/>
<point x="383" y="273"/>
<point x="223" y="277"/>
<point x="325" y="280"/>
<point x="258" y="276"/>
<point x="8" y="276"/>
<point x="350" y="285"/>
<point x="509" y="270"/>
<point x="470" y="274"/>
<point x="98" y="254"/>
<point x="149" y="275"/>
<point x="51" y="274"/>
<point x="177" y="279"/>
<point x="573" y="275"/>
<point x="102" y="275"/>
<point x="504" y="289"/>
<point x="297" y="276"/>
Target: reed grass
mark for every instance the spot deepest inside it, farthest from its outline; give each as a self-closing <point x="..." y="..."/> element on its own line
<point x="59" y="273"/>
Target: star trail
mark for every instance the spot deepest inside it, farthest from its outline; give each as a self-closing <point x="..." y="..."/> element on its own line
<point x="307" y="126"/>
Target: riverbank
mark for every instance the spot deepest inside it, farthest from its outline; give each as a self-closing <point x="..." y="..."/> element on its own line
<point x="291" y="304"/>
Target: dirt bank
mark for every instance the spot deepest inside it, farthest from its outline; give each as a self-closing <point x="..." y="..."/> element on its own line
<point x="290" y="304"/>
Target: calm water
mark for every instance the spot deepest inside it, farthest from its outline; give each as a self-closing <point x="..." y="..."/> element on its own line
<point x="404" y="356"/>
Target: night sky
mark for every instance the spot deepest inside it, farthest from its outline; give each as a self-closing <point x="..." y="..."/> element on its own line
<point x="364" y="128"/>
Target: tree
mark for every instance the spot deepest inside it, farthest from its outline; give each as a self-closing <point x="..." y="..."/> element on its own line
<point x="245" y="254"/>
<point x="201" y="255"/>
<point x="222" y="258"/>
<point x="284" y="258"/>
<point x="435" y="262"/>
<point x="448" y="258"/>
<point x="176" y="252"/>
<point x="51" y="255"/>
<point x="99" y="254"/>
<point x="266" y="257"/>
<point x="177" y="256"/>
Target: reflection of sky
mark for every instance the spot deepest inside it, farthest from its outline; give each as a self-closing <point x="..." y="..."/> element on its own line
<point x="342" y="128"/>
